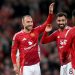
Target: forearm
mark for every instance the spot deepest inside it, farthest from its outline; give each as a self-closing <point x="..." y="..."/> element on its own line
<point x="48" y="38"/>
<point x="18" y="62"/>
<point x="13" y="57"/>
<point x="44" y="38"/>
<point x="42" y="27"/>
<point x="50" y="18"/>
<point x="17" y="67"/>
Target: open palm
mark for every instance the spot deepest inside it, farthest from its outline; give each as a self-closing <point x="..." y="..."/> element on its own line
<point x="48" y="28"/>
<point x="51" y="7"/>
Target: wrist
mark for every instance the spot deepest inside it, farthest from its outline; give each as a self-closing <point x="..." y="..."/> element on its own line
<point x="50" y="12"/>
<point x="15" y="66"/>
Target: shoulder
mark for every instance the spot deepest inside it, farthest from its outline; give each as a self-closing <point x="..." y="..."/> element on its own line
<point x="37" y="26"/>
<point x="16" y="35"/>
<point x="73" y="27"/>
<point x="72" y="31"/>
<point x="56" y="31"/>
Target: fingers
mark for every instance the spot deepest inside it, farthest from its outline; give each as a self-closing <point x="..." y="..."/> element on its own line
<point x="48" y="28"/>
<point x="17" y="74"/>
<point x="16" y="71"/>
<point x="49" y="25"/>
<point x="52" y="4"/>
<point x="51" y="8"/>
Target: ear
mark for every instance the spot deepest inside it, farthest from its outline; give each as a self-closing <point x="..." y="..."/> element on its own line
<point x="22" y="21"/>
<point x="66" y="20"/>
<point x="56" y="20"/>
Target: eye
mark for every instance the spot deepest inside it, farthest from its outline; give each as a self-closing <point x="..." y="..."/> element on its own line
<point x="28" y="21"/>
<point x="31" y="21"/>
<point x="63" y="20"/>
<point x="58" y="20"/>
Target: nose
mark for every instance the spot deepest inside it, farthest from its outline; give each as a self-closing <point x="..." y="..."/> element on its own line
<point x="61" y="21"/>
<point x="31" y="23"/>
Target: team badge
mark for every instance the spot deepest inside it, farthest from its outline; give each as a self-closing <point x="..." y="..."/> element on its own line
<point x="32" y="34"/>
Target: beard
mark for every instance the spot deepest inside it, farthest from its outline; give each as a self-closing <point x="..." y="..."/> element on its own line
<point x="61" y="26"/>
<point x="29" y="27"/>
<point x="74" y="23"/>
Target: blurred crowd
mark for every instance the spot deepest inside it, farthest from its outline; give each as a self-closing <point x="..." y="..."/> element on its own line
<point x="11" y="12"/>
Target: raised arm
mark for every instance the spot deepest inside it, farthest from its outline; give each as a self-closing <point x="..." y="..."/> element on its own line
<point x="49" y="20"/>
<point x="45" y="38"/>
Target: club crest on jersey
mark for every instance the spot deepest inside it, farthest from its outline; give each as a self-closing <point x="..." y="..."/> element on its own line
<point x="32" y="34"/>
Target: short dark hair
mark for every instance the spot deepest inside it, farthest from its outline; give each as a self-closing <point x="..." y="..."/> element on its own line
<point x="25" y="16"/>
<point x="73" y="12"/>
<point x="60" y="14"/>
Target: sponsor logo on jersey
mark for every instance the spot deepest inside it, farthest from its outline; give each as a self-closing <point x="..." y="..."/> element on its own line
<point x="28" y="48"/>
<point x="23" y="39"/>
<point x="30" y="43"/>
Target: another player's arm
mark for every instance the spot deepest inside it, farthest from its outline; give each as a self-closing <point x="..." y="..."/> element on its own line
<point x="52" y="37"/>
<point x="49" y="20"/>
<point x="13" y="54"/>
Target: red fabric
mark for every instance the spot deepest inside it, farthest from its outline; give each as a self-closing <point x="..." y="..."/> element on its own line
<point x="44" y="51"/>
<point x="27" y="43"/>
<point x="61" y="38"/>
<point x="71" y="45"/>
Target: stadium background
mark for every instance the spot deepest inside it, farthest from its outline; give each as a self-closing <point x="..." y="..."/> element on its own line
<point x="11" y="12"/>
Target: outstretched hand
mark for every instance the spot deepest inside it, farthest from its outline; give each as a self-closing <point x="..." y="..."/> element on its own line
<point x="51" y="7"/>
<point x="48" y="28"/>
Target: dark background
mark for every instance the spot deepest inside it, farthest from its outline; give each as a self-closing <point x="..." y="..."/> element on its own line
<point x="11" y="12"/>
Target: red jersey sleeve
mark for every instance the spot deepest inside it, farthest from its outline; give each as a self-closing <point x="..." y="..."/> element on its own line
<point x="46" y="39"/>
<point x="14" y="49"/>
<point x="41" y="28"/>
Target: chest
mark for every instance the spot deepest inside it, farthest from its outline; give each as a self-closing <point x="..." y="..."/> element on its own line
<point x="62" y="38"/>
<point x="28" y="39"/>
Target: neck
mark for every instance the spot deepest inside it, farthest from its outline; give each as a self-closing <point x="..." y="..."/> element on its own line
<point x="63" y="28"/>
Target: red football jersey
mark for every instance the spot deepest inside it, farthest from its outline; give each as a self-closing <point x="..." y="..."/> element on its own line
<point x="71" y="45"/>
<point x="27" y="43"/>
<point x="61" y="38"/>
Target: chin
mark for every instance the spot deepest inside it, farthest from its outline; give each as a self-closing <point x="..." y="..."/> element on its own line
<point x="30" y="29"/>
<point x="62" y="27"/>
